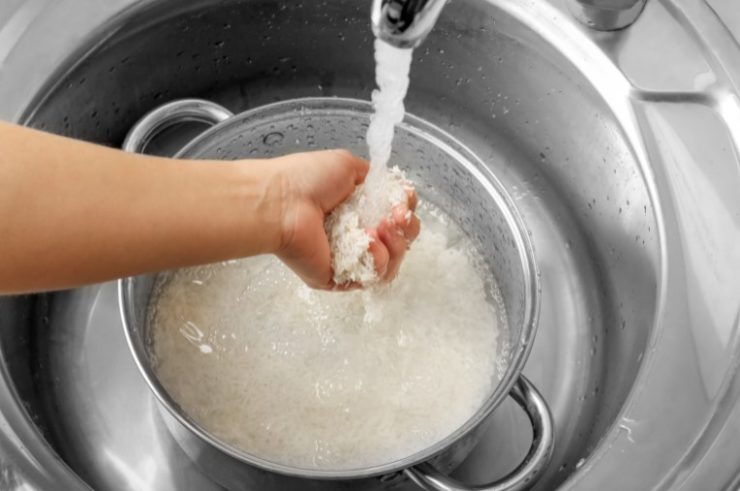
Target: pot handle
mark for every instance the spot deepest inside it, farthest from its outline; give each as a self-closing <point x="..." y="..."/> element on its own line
<point x="526" y="395"/>
<point x="180" y="111"/>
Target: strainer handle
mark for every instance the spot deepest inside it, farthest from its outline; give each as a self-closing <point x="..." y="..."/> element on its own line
<point x="180" y="111"/>
<point x="526" y="395"/>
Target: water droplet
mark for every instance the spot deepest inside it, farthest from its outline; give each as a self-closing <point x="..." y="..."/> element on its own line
<point x="272" y="139"/>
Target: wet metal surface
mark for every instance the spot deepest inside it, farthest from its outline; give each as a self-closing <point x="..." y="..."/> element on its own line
<point x="620" y="149"/>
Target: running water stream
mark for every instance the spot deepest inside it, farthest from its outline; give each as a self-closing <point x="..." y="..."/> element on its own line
<point x="384" y="187"/>
<point x="392" y="67"/>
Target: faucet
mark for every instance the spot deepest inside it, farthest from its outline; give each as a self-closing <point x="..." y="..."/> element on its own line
<point x="406" y="23"/>
<point x="606" y="15"/>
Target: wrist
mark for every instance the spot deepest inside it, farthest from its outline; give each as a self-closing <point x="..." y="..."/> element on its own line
<point x="262" y="190"/>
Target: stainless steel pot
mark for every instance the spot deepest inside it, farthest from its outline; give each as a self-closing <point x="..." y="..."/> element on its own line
<point x="446" y="173"/>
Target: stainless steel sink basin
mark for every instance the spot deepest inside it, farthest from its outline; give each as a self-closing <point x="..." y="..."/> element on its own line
<point x="631" y="213"/>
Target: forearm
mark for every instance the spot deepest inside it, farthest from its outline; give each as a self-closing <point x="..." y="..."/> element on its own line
<point x="73" y="213"/>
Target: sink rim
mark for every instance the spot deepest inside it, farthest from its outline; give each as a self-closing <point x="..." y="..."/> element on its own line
<point x="536" y="18"/>
<point x="655" y="335"/>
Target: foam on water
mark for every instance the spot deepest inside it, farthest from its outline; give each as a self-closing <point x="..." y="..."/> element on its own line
<point x="331" y="380"/>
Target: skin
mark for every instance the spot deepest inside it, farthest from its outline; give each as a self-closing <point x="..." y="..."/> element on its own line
<point x="74" y="213"/>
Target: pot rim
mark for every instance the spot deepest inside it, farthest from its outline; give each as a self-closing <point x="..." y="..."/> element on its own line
<point x="520" y="349"/>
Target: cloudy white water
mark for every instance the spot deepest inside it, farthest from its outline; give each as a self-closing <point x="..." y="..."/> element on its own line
<point x="331" y="380"/>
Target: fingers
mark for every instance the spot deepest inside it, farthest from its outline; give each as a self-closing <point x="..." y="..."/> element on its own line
<point x="407" y="221"/>
<point x="380" y="253"/>
<point x="331" y="176"/>
<point x="411" y="198"/>
<point x="394" y="240"/>
<point x="395" y="236"/>
<point x="359" y="166"/>
<point x="308" y="253"/>
<point x="381" y="257"/>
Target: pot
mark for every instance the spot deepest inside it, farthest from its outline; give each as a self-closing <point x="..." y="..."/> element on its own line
<point x="447" y="174"/>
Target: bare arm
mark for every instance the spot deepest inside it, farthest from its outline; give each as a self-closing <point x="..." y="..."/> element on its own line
<point x="73" y="213"/>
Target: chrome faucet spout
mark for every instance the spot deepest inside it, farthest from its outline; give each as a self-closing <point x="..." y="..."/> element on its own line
<point x="606" y="15"/>
<point x="405" y="23"/>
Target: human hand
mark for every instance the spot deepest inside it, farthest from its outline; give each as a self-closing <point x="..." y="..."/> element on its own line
<point x="311" y="186"/>
<point x="186" y="213"/>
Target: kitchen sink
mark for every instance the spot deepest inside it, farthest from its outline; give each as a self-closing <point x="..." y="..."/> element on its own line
<point x="620" y="150"/>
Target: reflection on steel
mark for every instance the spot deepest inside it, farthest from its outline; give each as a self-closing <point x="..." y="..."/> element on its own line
<point x="527" y="473"/>
<point x="603" y="139"/>
<point x="405" y="23"/>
